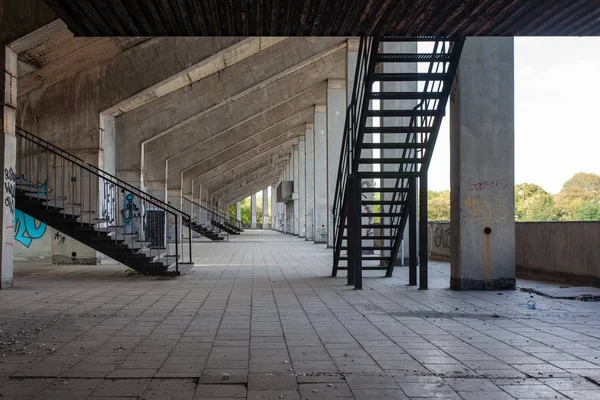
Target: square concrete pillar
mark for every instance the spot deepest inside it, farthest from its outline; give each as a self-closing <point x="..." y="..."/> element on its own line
<point x="336" y="118"/>
<point x="265" y="206"/>
<point x="309" y="193"/>
<point x="238" y="211"/>
<point x="320" y="154"/>
<point x="8" y="150"/>
<point x="273" y="207"/>
<point x="482" y="151"/>
<point x="301" y="187"/>
<point x="296" y="176"/>
<point x="253" y="206"/>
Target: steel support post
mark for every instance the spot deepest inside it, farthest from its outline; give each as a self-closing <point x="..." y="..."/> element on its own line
<point x="423" y="267"/>
<point x="355" y="229"/>
<point x="412" y="232"/>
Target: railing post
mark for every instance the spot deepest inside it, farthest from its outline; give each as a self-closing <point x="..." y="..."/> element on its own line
<point x="177" y="233"/>
<point x="354" y="229"/>
<point x="412" y="232"/>
<point x="423" y="264"/>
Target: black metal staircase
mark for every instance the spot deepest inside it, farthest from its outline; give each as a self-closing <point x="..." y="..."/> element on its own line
<point x="98" y="209"/>
<point x="377" y="195"/>
<point x="200" y="220"/>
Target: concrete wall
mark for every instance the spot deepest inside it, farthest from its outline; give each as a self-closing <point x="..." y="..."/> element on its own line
<point x="553" y="250"/>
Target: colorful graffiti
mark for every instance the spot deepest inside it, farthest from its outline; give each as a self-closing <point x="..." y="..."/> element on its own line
<point x="27" y="228"/>
<point x="129" y="211"/>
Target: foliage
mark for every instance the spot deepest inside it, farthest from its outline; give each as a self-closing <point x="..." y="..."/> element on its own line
<point x="438" y="205"/>
<point x="580" y="197"/>
<point x="532" y="203"/>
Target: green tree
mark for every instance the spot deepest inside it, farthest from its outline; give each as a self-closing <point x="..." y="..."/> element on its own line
<point x="587" y="211"/>
<point x="533" y="203"/>
<point x="438" y="204"/>
<point x="246" y="211"/>
<point x="580" y="195"/>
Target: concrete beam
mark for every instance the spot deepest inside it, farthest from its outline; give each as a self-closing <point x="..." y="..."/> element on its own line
<point x="256" y="187"/>
<point x="249" y="177"/>
<point x="211" y="65"/>
<point x="258" y="162"/>
<point x="250" y="180"/>
<point x="247" y="129"/>
<point x="252" y="188"/>
<point x="221" y="121"/>
<point x="249" y="133"/>
<point x="213" y="167"/>
<point x="235" y="176"/>
<point x="166" y="116"/>
<point x="271" y="136"/>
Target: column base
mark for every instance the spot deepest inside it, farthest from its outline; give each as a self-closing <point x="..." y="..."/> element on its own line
<point x="475" y="284"/>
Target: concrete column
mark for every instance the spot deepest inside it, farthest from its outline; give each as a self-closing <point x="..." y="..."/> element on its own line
<point x="301" y="187"/>
<point x="482" y="150"/>
<point x="238" y="211"/>
<point x="8" y="150"/>
<point x="336" y="117"/>
<point x="289" y="218"/>
<point x="265" y="201"/>
<point x="309" y="193"/>
<point x="273" y="207"/>
<point x="396" y="47"/>
<point x="320" y="154"/>
<point x="253" y="205"/>
<point x="296" y="169"/>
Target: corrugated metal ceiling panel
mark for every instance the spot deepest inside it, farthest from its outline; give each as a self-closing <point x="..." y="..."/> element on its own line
<point x="330" y="17"/>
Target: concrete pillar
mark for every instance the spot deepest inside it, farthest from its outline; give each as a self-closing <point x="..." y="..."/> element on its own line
<point x="309" y="193"/>
<point x="482" y="150"/>
<point x="301" y="187"/>
<point x="289" y="207"/>
<point x="336" y="117"/>
<point x="253" y="205"/>
<point x="238" y="211"/>
<point x="273" y="207"/>
<point x="396" y="47"/>
<point x="265" y="206"/>
<point x="8" y="149"/>
<point x="320" y="154"/>
<point x="296" y="171"/>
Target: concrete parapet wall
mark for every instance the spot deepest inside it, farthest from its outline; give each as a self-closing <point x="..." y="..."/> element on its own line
<point x="553" y="250"/>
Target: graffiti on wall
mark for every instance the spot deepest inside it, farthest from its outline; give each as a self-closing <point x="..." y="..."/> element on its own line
<point x="322" y="232"/>
<point x="10" y="180"/>
<point x="27" y="229"/>
<point x="486" y="211"/>
<point x="129" y="211"/>
<point x="366" y="184"/>
<point x="107" y="206"/>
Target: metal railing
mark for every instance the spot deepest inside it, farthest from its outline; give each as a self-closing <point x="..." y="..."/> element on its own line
<point x="444" y="46"/>
<point x="95" y="197"/>
<point x="356" y="116"/>
<point x="204" y="216"/>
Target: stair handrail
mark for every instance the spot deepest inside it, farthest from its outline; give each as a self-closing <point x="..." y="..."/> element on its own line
<point x="116" y="181"/>
<point x="73" y="158"/>
<point x="356" y="115"/>
<point x="454" y="48"/>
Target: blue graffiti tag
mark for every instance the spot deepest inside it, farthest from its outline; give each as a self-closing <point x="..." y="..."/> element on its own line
<point x="26" y="227"/>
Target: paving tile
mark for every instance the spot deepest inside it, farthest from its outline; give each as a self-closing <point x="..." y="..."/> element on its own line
<point x="273" y="395"/>
<point x="120" y="387"/>
<point x="264" y="298"/>
<point x="219" y="391"/>
<point x="258" y="382"/>
<point x="324" y="390"/>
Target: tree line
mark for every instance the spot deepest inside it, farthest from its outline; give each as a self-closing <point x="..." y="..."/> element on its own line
<point x="578" y="200"/>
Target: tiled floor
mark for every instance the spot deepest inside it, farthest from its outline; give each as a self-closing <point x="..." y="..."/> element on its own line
<point x="260" y="318"/>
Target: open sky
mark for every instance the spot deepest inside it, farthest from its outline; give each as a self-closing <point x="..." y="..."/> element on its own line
<point x="557" y="113"/>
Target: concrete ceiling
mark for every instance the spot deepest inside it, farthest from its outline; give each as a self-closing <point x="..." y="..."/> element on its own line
<point x="329" y="17"/>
